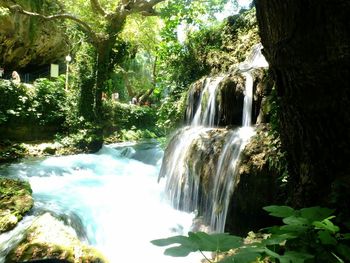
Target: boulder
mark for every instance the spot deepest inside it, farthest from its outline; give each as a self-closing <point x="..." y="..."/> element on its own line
<point x="260" y="182"/>
<point x="15" y="201"/>
<point x="49" y="238"/>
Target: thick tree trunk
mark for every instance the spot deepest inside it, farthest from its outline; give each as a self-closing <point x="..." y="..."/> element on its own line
<point x="307" y="43"/>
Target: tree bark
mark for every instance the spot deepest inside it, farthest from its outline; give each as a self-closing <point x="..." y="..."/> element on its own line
<point x="306" y="43"/>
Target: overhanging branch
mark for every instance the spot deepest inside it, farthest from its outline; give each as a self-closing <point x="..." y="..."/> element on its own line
<point x="96" y="6"/>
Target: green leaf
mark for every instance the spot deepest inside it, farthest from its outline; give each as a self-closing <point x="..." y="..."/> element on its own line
<point x="278" y="239"/>
<point x="179" y="251"/>
<point x="271" y="253"/>
<point x="293" y="220"/>
<point x="345" y="236"/>
<point x="294" y="257"/>
<point x="215" y="242"/>
<point x="326" y="238"/>
<point x="344" y="251"/>
<point x="293" y="229"/>
<point x="316" y="213"/>
<point x="199" y="241"/>
<point x="241" y="257"/>
<point x="171" y="240"/>
<point x="279" y="211"/>
<point x="326" y="224"/>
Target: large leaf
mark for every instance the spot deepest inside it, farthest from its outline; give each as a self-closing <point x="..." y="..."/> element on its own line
<point x="215" y="242"/>
<point x="245" y="255"/>
<point x="278" y="239"/>
<point x="199" y="241"/>
<point x="294" y="257"/>
<point x="326" y="224"/>
<point x="344" y="251"/>
<point x="316" y="213"/>
<point x="186" y="246"/>
<point x="171" y="240"/>
<point x="326" y="238"/>
<point x="279" y="211"/>
<point x="293" y="220"/>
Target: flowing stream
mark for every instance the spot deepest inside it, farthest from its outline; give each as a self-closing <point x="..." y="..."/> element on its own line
<point x="112" y="200"/>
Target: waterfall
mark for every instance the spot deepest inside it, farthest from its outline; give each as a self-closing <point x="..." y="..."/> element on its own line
<point x="180" y="146"/>
<point x="184" y="155"/>
<point x="206" y="116"/>
<point x="248" y="100"/>
<point x="225" y="177"/>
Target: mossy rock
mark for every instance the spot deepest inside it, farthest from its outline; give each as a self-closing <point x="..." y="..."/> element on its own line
<point x="49" y="238"/>
<point x="15" y="201"/>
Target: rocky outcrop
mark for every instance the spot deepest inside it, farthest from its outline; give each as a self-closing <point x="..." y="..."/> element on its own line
<point x="260" y="182"/>
<point x="28" y="41"/>
<point x="15" y="201"/>
<point x="49" y="238"/>
<point x="230" y="97"/>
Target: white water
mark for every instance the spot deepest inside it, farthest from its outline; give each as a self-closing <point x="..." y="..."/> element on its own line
<point x="183" y="188"/>
<point x="115" y="196"/>
<point x="255" y="60"/>
<point x="186" y="200"/>
<point x="206" y="116"/>
<point x="225" y="176"/>
<point x="248" y="100"/>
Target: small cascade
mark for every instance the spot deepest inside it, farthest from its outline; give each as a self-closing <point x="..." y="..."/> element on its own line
<point x="206" y="111"/>
<point x="181" y="188"/>
<point x="248" y="100"/>
<point x="200" y="164"/>
<point x="225" y="177"/>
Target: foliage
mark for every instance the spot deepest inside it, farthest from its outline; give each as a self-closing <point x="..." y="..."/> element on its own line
<point x="171" y="113"/>
<point x="43" y="103"/>
<point x="85" y="139"/>
<point x="216" y="47"/>
<point x="135" y="134"/>
<point x="10" y="152"/>
<point x="128" y="121"/>
<point x="127" y="116"/>
<point x="307" y="235"/>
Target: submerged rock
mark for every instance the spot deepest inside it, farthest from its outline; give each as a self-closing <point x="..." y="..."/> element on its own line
<point x="15" y="201"/>
<point x="49" y="238"/>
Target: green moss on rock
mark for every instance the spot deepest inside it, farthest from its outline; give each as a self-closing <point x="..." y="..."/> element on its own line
<point x="49" y="238"/>
<point x="15" y="202"/>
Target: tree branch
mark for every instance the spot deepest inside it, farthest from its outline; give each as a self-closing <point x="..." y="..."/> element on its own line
<point x="96" y="6"/>
<point x="86" y="27"/>
<point x="143" y="7"/>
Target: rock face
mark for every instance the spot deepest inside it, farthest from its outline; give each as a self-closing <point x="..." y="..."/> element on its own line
<point x="307" y="44"/>
<point x="15" y="201"/>
<point x="48" y="238"/>
<point x="27" y="42"/>
<point x="229" y="97"/>
<point x="259" y="183"/>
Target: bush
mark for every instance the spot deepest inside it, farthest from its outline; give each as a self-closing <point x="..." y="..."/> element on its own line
<point x="42" y="103"/>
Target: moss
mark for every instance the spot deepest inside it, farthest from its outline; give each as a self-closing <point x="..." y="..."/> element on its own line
<point x="15" y="202"/>
<point x="49" y="238"/>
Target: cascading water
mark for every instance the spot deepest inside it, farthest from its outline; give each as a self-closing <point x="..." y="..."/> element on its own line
<point x="206" y="117"/>
<point x="179" y="168"/>
<point x="112" y="199"/>
<point x="248" y="100"/>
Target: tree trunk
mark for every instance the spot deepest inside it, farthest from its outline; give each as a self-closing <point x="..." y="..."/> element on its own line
<point x="306" y="43"/>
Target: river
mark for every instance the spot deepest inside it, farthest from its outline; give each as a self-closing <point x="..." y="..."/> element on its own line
<point x="112" y="199"/>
